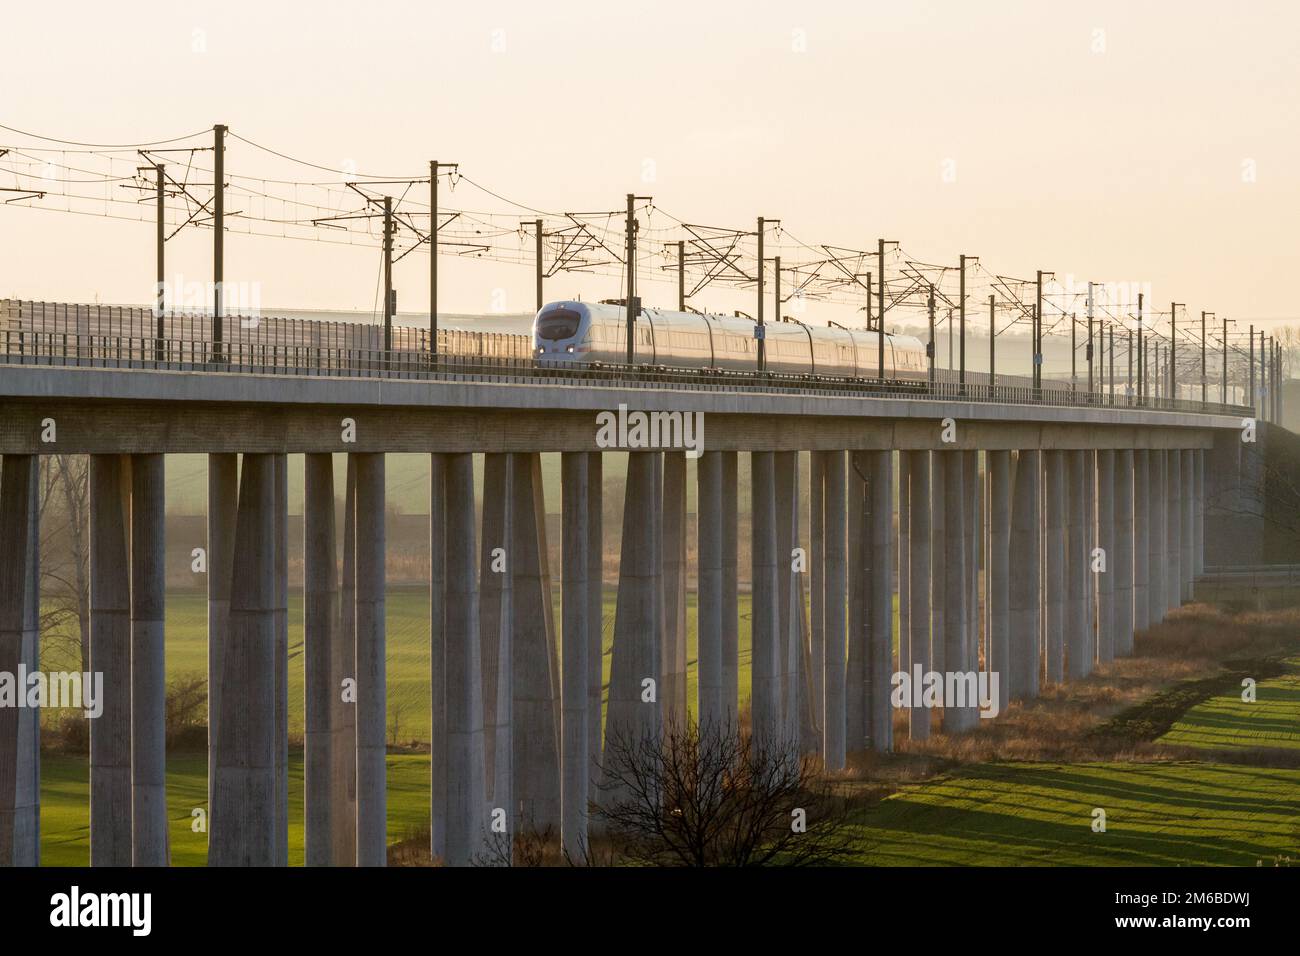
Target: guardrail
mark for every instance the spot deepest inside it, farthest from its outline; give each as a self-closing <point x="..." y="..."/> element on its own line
<point x="68" y="350"/>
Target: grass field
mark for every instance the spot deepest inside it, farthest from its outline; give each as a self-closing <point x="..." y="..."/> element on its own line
<point x="1157" y="814"/>
<point x="1226" y="722"/>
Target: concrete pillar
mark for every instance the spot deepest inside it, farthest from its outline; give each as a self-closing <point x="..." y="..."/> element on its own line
<point x="243" y="818"/>
<point x="904" y="562"/>
<point x="797" y="719"/>
<point x="223" y="504"/>
<point x="766" y="618"/>
<point x="1026" y="594"/>
<point x="1174" y="529"/>
<point x="880" y="654"/>
<point x="1056" y="600"/>
<point x="574" y="757"/>
<point x="1198" y="546"/>
<point x="1124" y="550"/>
<point x="834" y="719"/>
<point x="1079" y="647"/>
<point x="1106" y="540"/>
<point x="343" y="667"/>
<point x="1141" y="542"/>
<point x="938" y="559"/>
<point x="110" y="655"/>
<point x="633" y="720"/>
<point x="1157" y="496"/>
<point x="320" y="598"/>
<point x="20" y="744"/>
<point x="998" y="580"/>
<point x="920" y="608"/>
<point x="595" y="609"/>
<point x="730" y="596"/>
<point x="281" y="524"/>
<point x="1188" y="515"/>
<point x="497" y="629"/>
<point x="708" y="511"/>
<point x="535" y="716"/>
<point x="149" y="846"/>
<point x="372" y="695"/>
<point x="857" y="564"/>
<point x="973" y="526"/>
<point x="462" y="688"/>
<point x="673" y="692"/>
<point x="816" y="573"/>
<point x="956" y="628"/>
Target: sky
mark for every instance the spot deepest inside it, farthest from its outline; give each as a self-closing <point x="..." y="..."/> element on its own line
<point x="1153" y="144"/>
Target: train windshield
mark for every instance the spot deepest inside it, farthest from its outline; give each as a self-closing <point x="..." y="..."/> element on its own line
<point x="560" y="324"/>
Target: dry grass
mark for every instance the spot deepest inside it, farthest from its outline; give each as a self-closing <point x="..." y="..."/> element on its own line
<point x="1061" y="725"/>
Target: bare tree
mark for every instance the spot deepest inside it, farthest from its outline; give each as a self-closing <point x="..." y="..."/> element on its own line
<point x="713" y="797"/>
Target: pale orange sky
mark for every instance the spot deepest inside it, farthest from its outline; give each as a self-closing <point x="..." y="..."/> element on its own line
<point x="1104" y="142"/>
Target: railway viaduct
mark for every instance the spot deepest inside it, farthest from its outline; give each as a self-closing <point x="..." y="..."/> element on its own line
<point x="911" y="495"/>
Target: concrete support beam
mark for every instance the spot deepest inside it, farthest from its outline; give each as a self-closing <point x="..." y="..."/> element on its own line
<point x="223" y="504"/>
<point x="1056" y="599"/>
<point x="766" y="717"/>
<point x="835" y="582"/>
<point x="320" y="620"/>
<point x="1079" y="647"/>
<point x="920" y="594"/>
<point x="149" y="846"/>
<point x="1106" y="580"/>
<point x="1026" y="585"/>
<point x="372" y="694"/>
<point x="1141" y="542"/>
<point x="799" y="723"/>
<point x="110" y="655"/>
<point x="497" y="628"/>
<point x="281" y="524"/>
<point x="956" y="590"/>
<point x="1122" y="566"/>
<point x="1158" y="509"/>
<point x="595" y="608"/>
<point x="634" y="718"/>
<point x="673" y="692"/>
<point x="535" y="713"/>
<point x="816" y="574"/>
<point x="904" y="562"/>
<point x="938" y="559"/>
<point x="730" y="591"/>
<point x="858" y="562"/>
<point x="439" y="729"/>
<point x="974" y="527"/>
<point x="1187" y="558"/>
<point x="243" y="818"/>
<point x="880" y="652"/>
<point x="574" y="758"/>
<point x="20" y="744"/>
<point x="998" y="581"/>
<point x="1174" y="530"/>
<point x="461" y="679"/>
<point x="343" y="667"/>
<point x="708" y="512"/>
<point x="1198" y="546"/>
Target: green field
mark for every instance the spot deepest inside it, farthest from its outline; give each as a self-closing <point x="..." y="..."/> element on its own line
<point x="1157" y="814"/>
<point x="65" y="823"/>
<point x="407" y="644"/>
<point x="1227" y="722"/>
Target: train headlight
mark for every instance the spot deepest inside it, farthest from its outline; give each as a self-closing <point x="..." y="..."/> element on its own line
<point x="569" y="349"/>
<point x="541" y="349"/>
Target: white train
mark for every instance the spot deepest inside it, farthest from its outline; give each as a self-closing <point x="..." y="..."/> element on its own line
<point x="580" y="333"/>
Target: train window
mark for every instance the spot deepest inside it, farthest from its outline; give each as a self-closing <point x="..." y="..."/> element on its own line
<point x="560" y="324"/>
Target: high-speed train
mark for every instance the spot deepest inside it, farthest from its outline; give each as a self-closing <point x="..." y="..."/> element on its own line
<point x="581" y="333"/>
